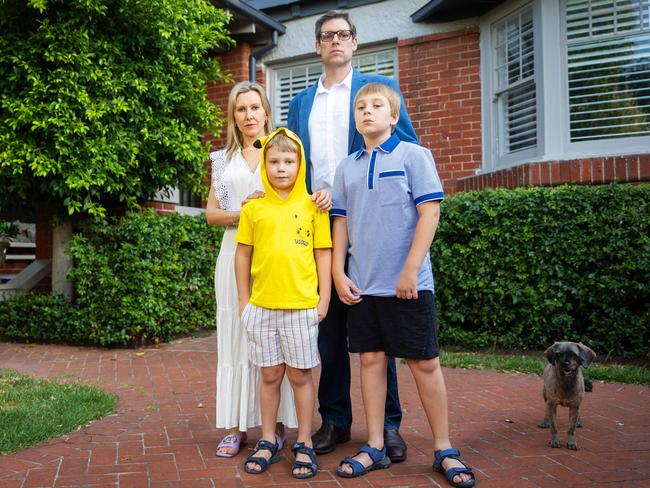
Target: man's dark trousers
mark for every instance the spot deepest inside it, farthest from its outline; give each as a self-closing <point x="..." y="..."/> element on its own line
<point x="334" y="387"/>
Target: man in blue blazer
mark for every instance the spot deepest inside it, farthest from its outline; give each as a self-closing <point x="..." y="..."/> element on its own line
<point x="323" y="117"/>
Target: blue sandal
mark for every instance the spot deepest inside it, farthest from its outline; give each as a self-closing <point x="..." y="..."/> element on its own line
<point x="263" y="463"/>
<point x="452" y="472"/>
<point x="378" y="457"/>
<point x="300" y="448"/>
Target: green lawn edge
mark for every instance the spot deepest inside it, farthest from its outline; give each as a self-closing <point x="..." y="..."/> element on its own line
<point x="520" y="363"/>
<point x="34" y="410"/>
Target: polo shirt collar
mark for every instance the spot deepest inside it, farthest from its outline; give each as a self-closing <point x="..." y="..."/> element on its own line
<point x="347" y="81"/>
<point x="388" y="146"/>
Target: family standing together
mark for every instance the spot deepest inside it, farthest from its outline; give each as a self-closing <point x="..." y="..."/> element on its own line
<point x="349" y="149"/>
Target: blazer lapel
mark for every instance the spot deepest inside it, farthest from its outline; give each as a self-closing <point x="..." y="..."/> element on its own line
<point x="305" y="110"/>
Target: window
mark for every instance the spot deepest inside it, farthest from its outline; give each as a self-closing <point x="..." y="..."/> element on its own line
<point x="608" y="59"/>
<point x="564" y="79"/>
<point x="514" y="83"/>
<point x="288" y="81"/>
<point x="188" y="199"/>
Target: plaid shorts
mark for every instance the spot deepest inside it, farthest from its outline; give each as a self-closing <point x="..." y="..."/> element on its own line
<point x="282" y="336"/>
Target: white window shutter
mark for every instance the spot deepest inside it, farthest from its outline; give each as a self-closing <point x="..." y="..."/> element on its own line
<point x="288" y="82"/>
<point x="608" y="57"/>
<point x="515" y="91"/>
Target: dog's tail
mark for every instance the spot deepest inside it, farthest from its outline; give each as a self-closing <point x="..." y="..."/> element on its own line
<point x="589" y="386"/>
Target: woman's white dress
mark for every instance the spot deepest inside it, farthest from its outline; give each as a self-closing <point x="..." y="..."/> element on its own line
<point x="238" y="403"/>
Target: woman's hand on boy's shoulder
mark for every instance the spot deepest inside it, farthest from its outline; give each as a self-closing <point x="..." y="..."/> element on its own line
<point x="253" y="196"/>
<point x="323" y="200"/>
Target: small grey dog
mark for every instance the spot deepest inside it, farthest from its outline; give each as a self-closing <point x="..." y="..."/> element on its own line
<point x="564" y="385"/>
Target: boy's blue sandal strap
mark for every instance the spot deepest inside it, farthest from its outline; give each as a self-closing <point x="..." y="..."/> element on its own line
<point x="378" y="457"/>
<point x="263" y="463"/>
<point x="300" y="448"/>
<point x="440" y="456"/>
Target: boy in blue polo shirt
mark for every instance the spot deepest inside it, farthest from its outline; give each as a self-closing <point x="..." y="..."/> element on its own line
<point x="386" y="210"/>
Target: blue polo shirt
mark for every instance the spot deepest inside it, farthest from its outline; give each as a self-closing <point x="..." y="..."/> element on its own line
<point x="378" y="193"/>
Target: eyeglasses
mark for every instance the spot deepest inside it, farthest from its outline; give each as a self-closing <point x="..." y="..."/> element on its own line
<point x="328" y="36"/>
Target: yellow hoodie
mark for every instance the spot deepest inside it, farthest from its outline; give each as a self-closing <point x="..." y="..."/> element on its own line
<point x="284" y="234"/>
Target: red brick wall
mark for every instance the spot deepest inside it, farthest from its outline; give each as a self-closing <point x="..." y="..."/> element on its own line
<point x="439" y="77"/>
<point x="160" y="207"/>
<point x="12" y="267"/>
<point x="235" y="62"/>
<point x="551" y="173"/>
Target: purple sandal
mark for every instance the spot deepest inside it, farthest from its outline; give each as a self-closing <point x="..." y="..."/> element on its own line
<point x="231" y="440"/>
<point x="279" y="441"/>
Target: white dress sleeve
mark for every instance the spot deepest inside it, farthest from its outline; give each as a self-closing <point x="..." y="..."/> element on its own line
<point x="222" y="187"/>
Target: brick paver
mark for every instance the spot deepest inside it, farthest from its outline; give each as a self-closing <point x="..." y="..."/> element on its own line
<point x="163" y="433"/>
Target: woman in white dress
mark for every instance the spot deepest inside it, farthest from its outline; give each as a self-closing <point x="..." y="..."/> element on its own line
<point x="235" y="176"/>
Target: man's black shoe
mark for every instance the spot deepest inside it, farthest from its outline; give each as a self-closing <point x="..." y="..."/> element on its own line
<point x="328" y="436"/>
<point x="395" y="445"/>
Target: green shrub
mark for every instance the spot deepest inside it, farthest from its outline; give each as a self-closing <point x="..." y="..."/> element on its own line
<point x="38" y="317"/>
<point x="526" y="267"/>
<point x="106" y="101"/>
<point x="147" y="277"/>
<point x="143" y="278"/>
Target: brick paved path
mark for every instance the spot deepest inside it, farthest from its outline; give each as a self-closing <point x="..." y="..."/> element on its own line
<point x="163" y="434"/>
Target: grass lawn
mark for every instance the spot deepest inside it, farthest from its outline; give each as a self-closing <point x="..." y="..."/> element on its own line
<point x="613" y="372"/>
<point x="34" y="410"/>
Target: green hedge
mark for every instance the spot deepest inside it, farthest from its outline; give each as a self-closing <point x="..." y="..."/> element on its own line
<point x="513" y="269"/>
<point x="46" y="318"/>
<point x="144" y="278"/>
<point x="523" y="268"/>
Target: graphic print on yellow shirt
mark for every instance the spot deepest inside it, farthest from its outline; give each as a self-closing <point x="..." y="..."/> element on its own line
<point x="284" y="234"/>
<point x="303" y="230"/>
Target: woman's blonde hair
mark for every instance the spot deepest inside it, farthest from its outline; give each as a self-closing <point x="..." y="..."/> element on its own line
<point x="234" y="137"/>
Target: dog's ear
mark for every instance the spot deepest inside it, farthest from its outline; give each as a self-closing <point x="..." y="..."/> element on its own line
<point x="550" y="353"/>
<point x="586" y="355"/>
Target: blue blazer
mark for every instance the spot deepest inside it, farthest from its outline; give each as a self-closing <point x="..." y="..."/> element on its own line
<point x="300" y="108"/>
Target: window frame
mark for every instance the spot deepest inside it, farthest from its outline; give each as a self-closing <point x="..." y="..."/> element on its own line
<point x="552" y="82"/>
<point x="610" y="146"/>
<point x="491" y="113"/>
<point x="503" y="89"/>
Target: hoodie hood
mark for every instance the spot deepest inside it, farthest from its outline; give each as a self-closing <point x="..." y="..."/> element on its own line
<point x="300" y="186"/>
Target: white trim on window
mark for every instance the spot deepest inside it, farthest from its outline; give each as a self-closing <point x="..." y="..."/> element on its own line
<point x="611" y="40"/>
<point x="510" y="84"/>
<point x="514" y="87"/>
<point x="287" y="79"/>
<point x="614" y="20"/>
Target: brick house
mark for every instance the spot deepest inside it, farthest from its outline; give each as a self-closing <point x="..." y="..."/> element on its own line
<point x="504" y="93"/>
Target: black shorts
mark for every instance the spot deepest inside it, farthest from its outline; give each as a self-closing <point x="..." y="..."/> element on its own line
<point x="401" y="328"/>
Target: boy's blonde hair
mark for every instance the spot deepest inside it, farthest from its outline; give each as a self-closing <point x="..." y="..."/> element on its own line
<point x="282" y="142"/>
<point x="391" y="95"/>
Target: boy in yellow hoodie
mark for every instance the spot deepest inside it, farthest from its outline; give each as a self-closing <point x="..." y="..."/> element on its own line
<point x="284" y="245"/>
